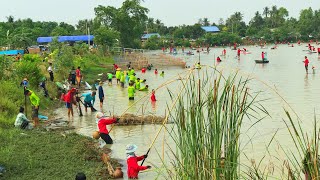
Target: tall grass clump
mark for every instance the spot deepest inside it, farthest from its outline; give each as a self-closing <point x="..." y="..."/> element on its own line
<point x="304" y="159"/>
<point x="208" y="119"/>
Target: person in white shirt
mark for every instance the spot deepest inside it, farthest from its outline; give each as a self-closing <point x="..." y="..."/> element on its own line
<point x="50" y="71"/>
<point x="22" y="121"/>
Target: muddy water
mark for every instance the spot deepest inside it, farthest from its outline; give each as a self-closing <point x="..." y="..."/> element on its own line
<point x="284" y="77"/>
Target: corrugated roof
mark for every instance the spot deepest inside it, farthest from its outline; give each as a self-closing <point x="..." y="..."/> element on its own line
<point x="147" y="36"/>
<point x="211" y="28"/>
<point x="84" y="38"/>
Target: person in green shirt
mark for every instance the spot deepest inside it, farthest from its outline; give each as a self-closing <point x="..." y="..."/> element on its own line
<point x="122" y="79"/>
<point x="118" y="75"/>
<point x="35" y="102"/>
<point x="144" y="88"/>
<point x="129" y="72"/>
<point x="137" y="84"/>
<point x="110" y="76"/>
<point x="131" y="91"/>
<point x="132" y="78"/>
<point x="162" y="74"/>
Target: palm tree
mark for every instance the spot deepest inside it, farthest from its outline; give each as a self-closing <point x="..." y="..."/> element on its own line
<point x="206" y="22"/>
<point x="274" y="14"/>
<point x="266" y="11"/>
<point x="10" y="19"/>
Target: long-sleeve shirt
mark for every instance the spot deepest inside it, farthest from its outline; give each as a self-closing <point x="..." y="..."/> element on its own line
<point x="101" y="93"/>
<point x="35" y="100"/>
<point x="131" y="91"/>
<point x="103" y="122"/>
<point x="20" y="118"/>
<point x="133" y="167"/>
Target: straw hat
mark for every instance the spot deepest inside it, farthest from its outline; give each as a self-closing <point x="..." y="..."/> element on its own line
<point x="99" y="115"/>
<point x="118" y="69"/>
<point x="100" y="83"/>
<point x="131" y="148"/>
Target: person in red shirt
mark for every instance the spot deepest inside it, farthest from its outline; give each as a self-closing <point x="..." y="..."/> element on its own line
<point x="239" y="52"/>
<point x="143" y="70"/>
<point x="262" y="56"/>
<point x="102" y="124"/>
<point x="306" y="63"/>
<point x="224" y="52"/>
<point x="70" y="99"/>
<point x="132" y="162"/>
<point x="78" y="76"/>
<point x="156" y="71"/>
<point x="218" y="59"/>
<point x="318" y="50"/>
<point x="153" y="96"/>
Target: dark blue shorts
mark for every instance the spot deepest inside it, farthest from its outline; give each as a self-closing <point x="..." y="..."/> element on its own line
<point x="68" y="105"/>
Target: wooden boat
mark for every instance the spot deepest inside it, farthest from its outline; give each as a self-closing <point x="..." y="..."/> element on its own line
<point x="261" y="62"/>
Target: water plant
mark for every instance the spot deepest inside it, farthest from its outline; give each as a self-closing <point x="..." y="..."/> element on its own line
<point x="209" y="118"/>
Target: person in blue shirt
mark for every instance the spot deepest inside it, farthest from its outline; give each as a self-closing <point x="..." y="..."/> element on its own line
<point x="89" y="100"/>
<point x="101" y="94"/>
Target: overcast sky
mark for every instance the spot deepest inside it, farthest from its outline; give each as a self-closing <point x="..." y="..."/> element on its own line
<point x="170" y="12"/>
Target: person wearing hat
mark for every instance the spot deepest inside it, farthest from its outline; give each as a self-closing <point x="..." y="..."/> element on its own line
<point x="102" y="125"/>
<point x="35" y="102"/>
<point x="101" y="94"/>
<point x="22" y="121"/>
<point x="24" y="82"/>
<point x="132" y="162"/>
<point x="70" y="99"/>
<point x="118" y="73"/>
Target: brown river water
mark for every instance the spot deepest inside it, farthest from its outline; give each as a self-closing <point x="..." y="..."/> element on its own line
<point x="283" y="81"/>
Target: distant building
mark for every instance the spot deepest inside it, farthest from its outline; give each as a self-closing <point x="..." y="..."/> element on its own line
<point x="145" y="37"/>
<point x="211" y="29"/>
<point x="83" y="38"/>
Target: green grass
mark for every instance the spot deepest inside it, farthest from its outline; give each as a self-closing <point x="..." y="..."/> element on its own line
<point x="209" y="119"/>
<point x="40" y="155"/>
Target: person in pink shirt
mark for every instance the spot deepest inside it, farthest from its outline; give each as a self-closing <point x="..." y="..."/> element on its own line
<point x="306" y="63"/>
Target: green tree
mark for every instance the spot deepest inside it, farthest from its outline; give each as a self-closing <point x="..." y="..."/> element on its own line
<point x="106" y="36"/>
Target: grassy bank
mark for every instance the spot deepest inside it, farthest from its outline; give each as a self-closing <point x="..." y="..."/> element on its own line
<point x="39" y="154"/>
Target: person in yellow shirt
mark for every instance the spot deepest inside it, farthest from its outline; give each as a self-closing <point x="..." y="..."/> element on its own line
<point x="35" y="102"/>
<point x="131" y="91"/>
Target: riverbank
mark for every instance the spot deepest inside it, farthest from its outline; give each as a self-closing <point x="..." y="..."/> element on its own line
<point x="41" y="154"/>
<point x="38" y="154"/>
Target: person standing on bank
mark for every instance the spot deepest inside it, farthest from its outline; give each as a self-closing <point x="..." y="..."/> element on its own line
<point x="101" y="94"/>
<point x="35" y="102"/>
<point x="78" y="76"/>
<point x="50" y="70"/>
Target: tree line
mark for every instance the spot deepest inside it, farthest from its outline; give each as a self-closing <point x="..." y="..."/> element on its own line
<point x="124" y="26"/>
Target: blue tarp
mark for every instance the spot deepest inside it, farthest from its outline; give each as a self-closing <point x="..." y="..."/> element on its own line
<point x="147" y="36"/>
<point x="83" y="38"/>
<point x="211" y="28"/>
<point x="11" y="52"/>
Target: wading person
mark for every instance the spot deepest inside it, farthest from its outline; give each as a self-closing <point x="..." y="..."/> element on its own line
<point x="78" y="76"/>
<point x="138" y="84"/>
<point x="35" y="102"/>
<point x="132" y="162"/>
<point x="70" y="99"/>
<point x="102" y="125"/>
<point x="118" y="74"/>
<point x="153" y="96"/>
<point x="131" y="91"/>
<point x="110" y="76"/>
<point x="101" y="94"/>
<point x="73" y="76"/>
<point x="122" y="78"/>
<point x="88" y="100"/>
<point x="306" y="63"/>
<point x="22" y="121"/>
<point x="50" y="70"/>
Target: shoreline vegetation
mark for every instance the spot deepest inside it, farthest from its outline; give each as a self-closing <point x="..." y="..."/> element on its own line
<point x="38" y="154"/>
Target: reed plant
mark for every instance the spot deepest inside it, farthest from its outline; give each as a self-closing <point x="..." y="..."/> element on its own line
<point x="304" y="157"/>
<point x="209" y="118"/>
